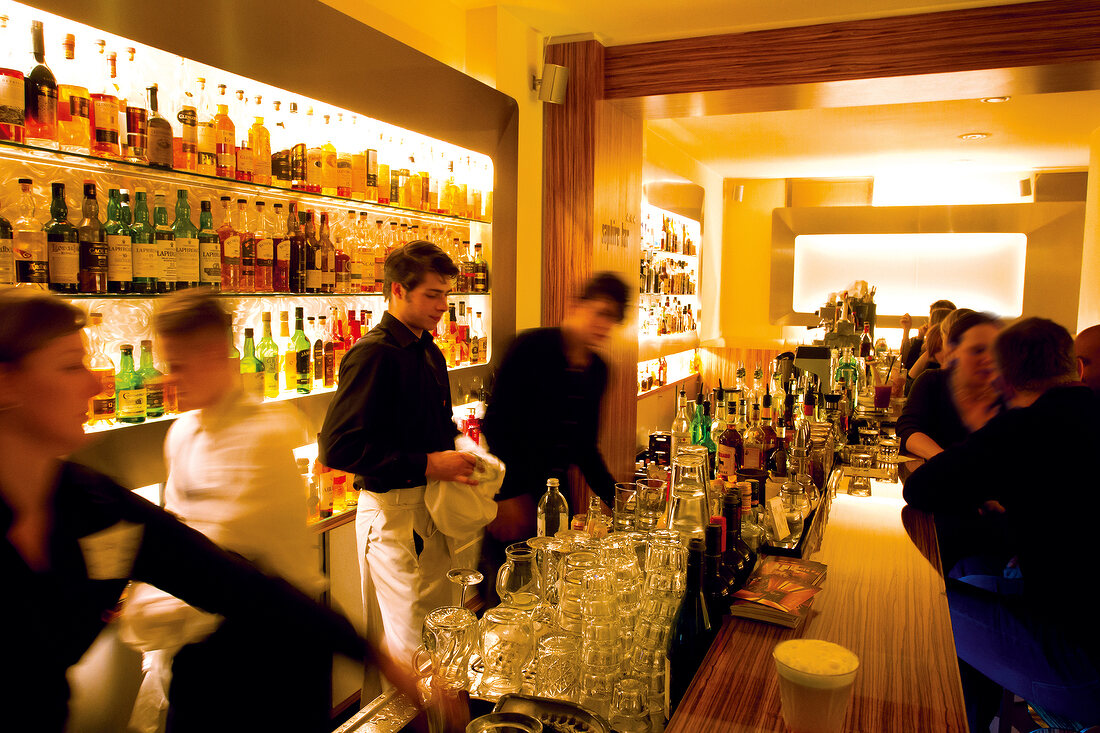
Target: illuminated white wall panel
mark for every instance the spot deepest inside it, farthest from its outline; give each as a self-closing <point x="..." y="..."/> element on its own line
<point x="983" y="271"/>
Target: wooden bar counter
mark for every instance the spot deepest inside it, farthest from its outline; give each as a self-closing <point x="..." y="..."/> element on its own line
<point x="883" y="598"/>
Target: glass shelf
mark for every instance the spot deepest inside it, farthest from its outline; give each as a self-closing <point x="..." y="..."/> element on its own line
<point x="668" y="295"/>
<point x="93" y="164"/>
<point x="219" y="294"/>
<point x="660" y="254"/>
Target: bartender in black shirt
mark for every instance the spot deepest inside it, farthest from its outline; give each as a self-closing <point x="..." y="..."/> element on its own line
<point x="390" y="424"/>
<point x="560" y="371"/>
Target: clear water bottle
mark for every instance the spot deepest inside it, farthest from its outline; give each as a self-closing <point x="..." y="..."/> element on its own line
<point x="553" y="511"/>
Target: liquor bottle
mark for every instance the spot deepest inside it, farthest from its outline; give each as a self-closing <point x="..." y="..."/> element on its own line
<point x="705" y="439"/>
<point x="280" y="245"/>
<point x="225" y="134"/>
<point x="303" y="363"/>
<point x="777" y="463"/>
<point x="328" y="257"/>
<point x="230" y="250"/>
<point x="146" y="265"/>
<point x="341" y="259"/>
<point x="339" y="342"/>
<point x="159" y="142"/>
<point x="354" y="248"/>
<point x="697" y="427"/>
<point x="153" y="381"/>
<point x="252" y="368"/>
<point x="7" y="254"/>
<point x="74" y="104"/>
<point x="129" y="389"/>
<point x="235" y="355"/>
<point x="188" y="258"/>
<point x="298" y="254"/>
<point x="287" y="356"/>
<point x="318" y="334"/>
<point x="135" y="135"/>
<point x="481" y="271"/>
<point x="715" y="590"/>
<point x="264" y="246"/>
<point x="243" y="226"/>
<point x="731" y="451"/>
<point x="207" y="133"/>
<point x="328" y="158"/>
<point x="125" y="215"/>
<point x="105" y="135"/>
<point x="314" y="153"/>
<point x="120" y="248"/>
<point x="92" y="242"/>
<point x="718" y="424"/>
<point x="209" y="244"/>
<point x="295" y="135"/>
<point x="770" y="436"/>
<point x="268" y="353"/>
<point x="328" y="353"/>
<point x="482" y="339"/>
<point x="166" y="246"/>
<point x="691" y="631"/>
<point x="738" y="559"/>
<point x="12" y="100"/>
<point x="63" y="239"/>
<point x="755" y="443"/>
<point x="280" y="148"/>
<point x="101" y="407"/>
<point x="40" y="95"/>
<point x="681" y="425"/>
<point x="29" y="247"/>
<point x="313" y="256"/>
<point x="185" y="148"/>
<point x="259" y="139"/>
<point x="378" y="248"/>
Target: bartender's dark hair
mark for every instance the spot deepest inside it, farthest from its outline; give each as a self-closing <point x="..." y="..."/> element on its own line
<point x="1035" y="354"/>
<point x="606" y="286"/>
<point x="967" y="321"/>
<point x="30" y="319"/>
<point x="409" y="264"/>
<point x="191" y="311"/>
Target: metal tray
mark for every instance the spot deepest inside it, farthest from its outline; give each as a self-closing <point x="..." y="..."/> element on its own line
<point x="557" y="716"/>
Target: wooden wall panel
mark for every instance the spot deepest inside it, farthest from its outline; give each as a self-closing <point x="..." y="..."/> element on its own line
<point x="720" y="362"/>
<point x="1028" y="34"/>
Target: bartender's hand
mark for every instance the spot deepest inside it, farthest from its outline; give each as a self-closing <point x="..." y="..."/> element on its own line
<point x="906" y="322"/>
<point x="451" y="465"/>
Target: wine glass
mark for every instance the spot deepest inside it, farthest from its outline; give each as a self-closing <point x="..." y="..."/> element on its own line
<point x="464" y="577"/>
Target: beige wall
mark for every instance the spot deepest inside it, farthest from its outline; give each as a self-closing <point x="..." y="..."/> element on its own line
<point x="1088" y="312"/>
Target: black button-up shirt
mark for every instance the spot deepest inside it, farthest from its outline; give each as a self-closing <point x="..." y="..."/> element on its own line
<point x="392" y="408"/>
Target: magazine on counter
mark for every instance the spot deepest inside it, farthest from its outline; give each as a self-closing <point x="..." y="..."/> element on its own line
<point x="780" y="591"/>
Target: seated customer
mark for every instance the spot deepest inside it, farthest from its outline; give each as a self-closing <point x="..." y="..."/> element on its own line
<point x="1087" y="346"/>
<point x="933" y="356"/>
<point x="946" y="405"/>
<point x="912" y="349"/>
<point x="1043" y="643"/>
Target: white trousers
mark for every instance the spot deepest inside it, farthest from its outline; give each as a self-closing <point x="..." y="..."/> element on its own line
<point x="400" y="586"/>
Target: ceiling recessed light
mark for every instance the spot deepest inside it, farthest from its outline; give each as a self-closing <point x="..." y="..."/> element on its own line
<point x="974" y="136"/>
<point x="995" y="100"/>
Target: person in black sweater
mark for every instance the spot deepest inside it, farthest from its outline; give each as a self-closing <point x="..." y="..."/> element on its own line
<point x="71" y="538"/>
<point x="1035" y="636"/>
<point x="946" y="405"/>
<point x="560" y="371"/>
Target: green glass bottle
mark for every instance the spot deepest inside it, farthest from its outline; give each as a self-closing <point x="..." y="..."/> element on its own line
<point x="166" y="247"/>
<point x="129" y="389"/>
<point x="252" y="369"/>
<point x="144" y="243"/>
<point x="210" y="253"/>
<point x="63" y="244"/>
<point x="153" y="381"/>
<point x="92" y="244"/>
<point x="120" y="247"/>
<point x="187" y="243"/>
<point x="125" y="213"/>
<point x="268" y="352"/>
<point x="303" y="355"/>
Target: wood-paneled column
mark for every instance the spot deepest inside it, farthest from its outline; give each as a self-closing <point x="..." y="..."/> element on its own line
<point x="591" y="214"/>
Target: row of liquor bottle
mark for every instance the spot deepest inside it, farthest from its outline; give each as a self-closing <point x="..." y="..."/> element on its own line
<point x="671" y="236"/>
<point x="99" y="106"/>
<point x="661" y="319"/>
<point x="667" y="276"/>
<point x="249" y="251"/>
<point x="295" y="362"/>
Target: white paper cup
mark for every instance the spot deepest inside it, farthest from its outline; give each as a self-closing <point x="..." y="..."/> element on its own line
<point x="815" y="683"/>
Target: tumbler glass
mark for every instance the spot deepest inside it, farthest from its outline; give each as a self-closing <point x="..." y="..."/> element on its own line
<point x="689" y="512"/>
<point x="557" y="667"/>
<point x="629" y="706"/>
<point x="650" y="498"/>
<point x="626" y="510"/>
<point x="449" y="635"/>
<point x="506" y="647"/>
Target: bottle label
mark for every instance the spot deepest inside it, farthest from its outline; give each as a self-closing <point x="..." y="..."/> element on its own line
<point x="372" y="167"/>
<point x="244" y="161"/>
<point x="105" y="114"/>
<point x="298" y="162"/>
<point x="189" y="129"/>
<point x="313" y="166"/>
<point x="12" y="111"/>
<point x="166" y="256"/>
<point x="328" y="169"/>
<point x="483" y="349"/>
<point x="727" y="460"/>
<point x="271" y="375"/>
<point x="93" y="256"/>
<point x="754" y="457"/>
<point x="231" y="248"/>
<point x="131" y="402"/>
<point x="103" y="408"/>
<point x="207" y="142"/>
<point x="154" y="399"/>
<point x="261" y="155"/>
<point x="303" y="366"/>
<point x="313" y="278"/>
<point x="7" y="261"/>
<point x="282" y="250"/>
<point x="137" y="125"/>
<point x="280" y="166"/>
<point x="187" y="259"/>
<point x="326" y="491"/>
<point x="210" y="262"/>
<point x="45" y="118"/>
<point x="160" y="143"/>
<point x="343" y="173"/>
<point x="120" y="258"/>
<point x="75" y="108"/>
<point x="145" y="260"/>
<point x="265" y="252"/>
<point x="64" y="262"/>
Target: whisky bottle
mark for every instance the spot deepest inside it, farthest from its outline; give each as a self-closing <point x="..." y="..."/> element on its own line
<point x="135" y="135"/>
<point x="188" y="259"/>
<point x="314" y="153"/>
<point x="210" y="256"/>
<point x="40" y="95"/>
<point x="92" y="241"/>
<point x="248" y="247"/>
<point x="268" y="353"/>
<point x="303" y="363"/>
<point x="286" y="352"/>
<point x="145" y="262"/>
<point x="252" y="369"/>
<point x="105" y="138"/>
<point x="185" y="149"/>
<point x="313" y="257"/>
<point x="297" y="148"/>
<point x="206" y="132"/>
<point x="167" y="256"/>
<point x="344" y="247"/>
<point x="230" y="249"/>
<point x="329" y="341"/>
<point x="12" y="102"/>
<point x="328" y="257"/>
<point x="297" y="245"/>
<point x="280" y="244"/>
<point x="120" y="248"/>
<point x="225" y="133"/>
<point x="329" y="158"/>
<point x="153" y="381"/>
<point x="319" y="334"/>
<point x="159" y="142"/>
<point x="129" y="389"/>
<point x="29" y="246"/>
<point x="280" y="148"/>
<point x="352" y="247"/>
<point x="259" y="139"/>
<point x="264" y="239"/>
<point x="481" y="271"/>
<point x="64" y="248"/>
<point x="101" y="407"/>
<point x="74" y="104"/>
<point x="731" y="450"/>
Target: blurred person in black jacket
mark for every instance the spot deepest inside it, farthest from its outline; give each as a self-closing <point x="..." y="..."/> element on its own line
<point x="71" y="538"/>
<point x="1087" y="347"/>
<point x="1035" y="634"/>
